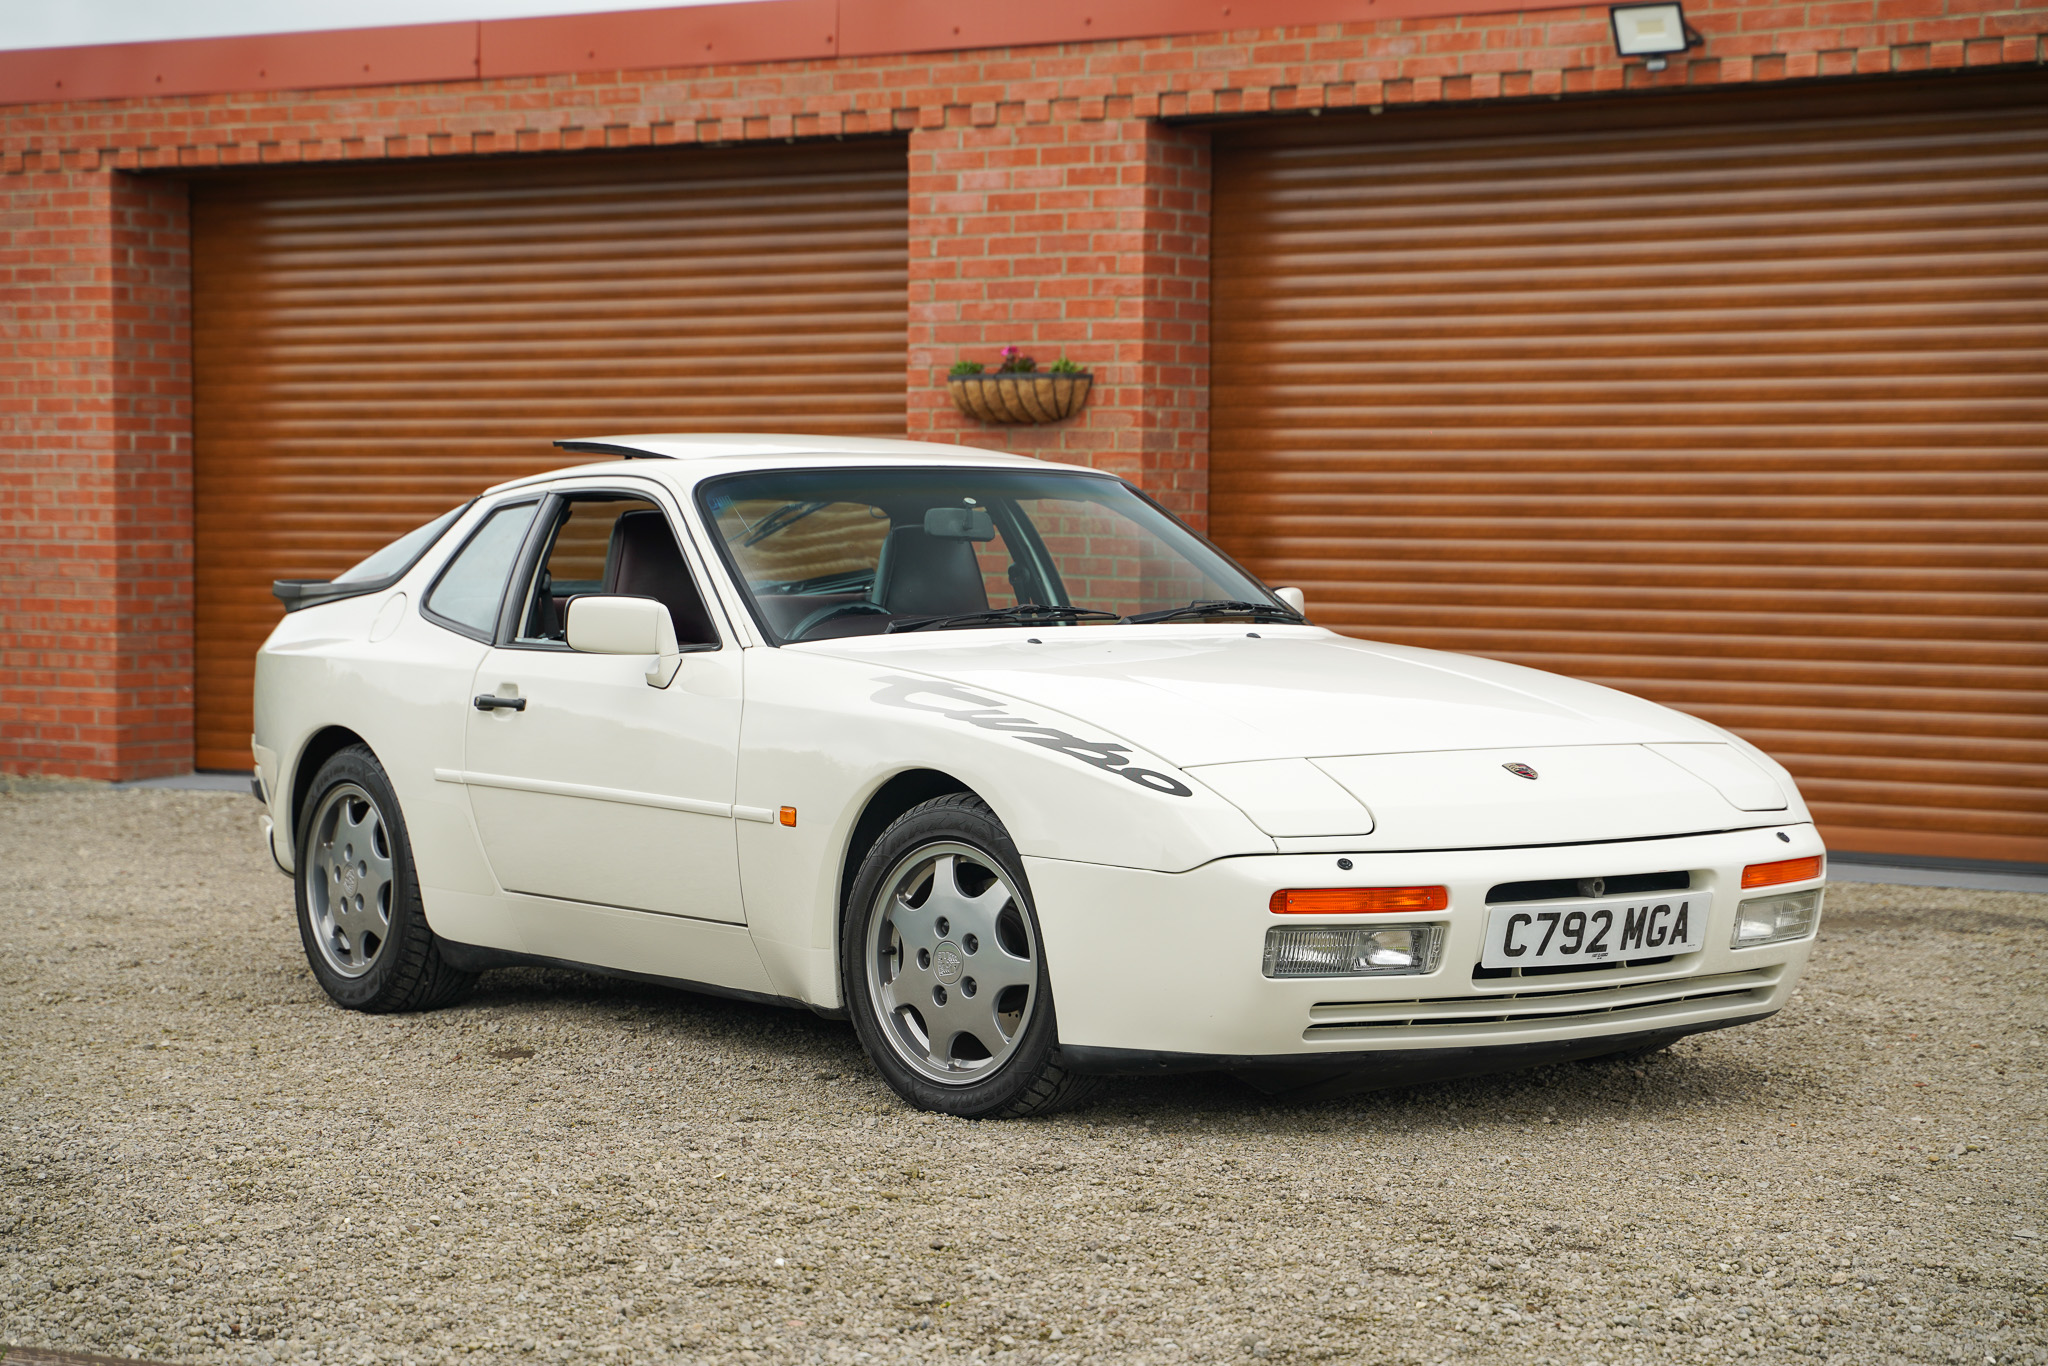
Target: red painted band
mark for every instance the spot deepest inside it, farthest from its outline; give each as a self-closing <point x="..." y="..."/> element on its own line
<point x="632" y="40"/>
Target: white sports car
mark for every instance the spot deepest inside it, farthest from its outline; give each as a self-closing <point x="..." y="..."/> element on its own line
<point x="999" y="759"/>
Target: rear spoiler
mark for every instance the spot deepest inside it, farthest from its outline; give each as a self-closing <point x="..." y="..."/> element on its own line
<point x="299" y="593"/>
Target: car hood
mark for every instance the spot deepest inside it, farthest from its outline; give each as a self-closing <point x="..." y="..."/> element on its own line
<point x="1218" y="695"/>
<point x="1328" y="742"/>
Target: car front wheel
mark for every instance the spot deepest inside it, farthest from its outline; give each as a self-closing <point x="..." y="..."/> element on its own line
<point x="360" y="918"/>
<point x="945" y="974"/>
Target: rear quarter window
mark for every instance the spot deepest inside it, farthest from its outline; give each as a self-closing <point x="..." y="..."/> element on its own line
<point x="467" y="595"/>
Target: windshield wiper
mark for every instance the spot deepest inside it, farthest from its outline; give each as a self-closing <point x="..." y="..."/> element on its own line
<point x="782" y="517"/>
<point x="1257" y="611"/>
<point x="1022" y="614"/>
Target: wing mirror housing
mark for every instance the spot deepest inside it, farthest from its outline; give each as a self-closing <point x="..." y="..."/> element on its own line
<point x="605" y="625"/>
<point x="1294" y="598"/>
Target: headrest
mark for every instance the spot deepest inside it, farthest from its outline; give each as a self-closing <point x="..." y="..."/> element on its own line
<point x="923" y="575"/>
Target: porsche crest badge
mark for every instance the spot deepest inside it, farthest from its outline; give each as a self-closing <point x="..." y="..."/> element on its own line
<point x="1520" y="770"/>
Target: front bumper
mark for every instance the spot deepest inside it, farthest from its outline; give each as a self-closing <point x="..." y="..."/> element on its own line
<point x="1156" y="970"/>
<point x="1337" y="1074"/>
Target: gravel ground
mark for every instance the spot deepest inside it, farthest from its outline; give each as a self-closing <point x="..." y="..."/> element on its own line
<point x="205" y="1162"/>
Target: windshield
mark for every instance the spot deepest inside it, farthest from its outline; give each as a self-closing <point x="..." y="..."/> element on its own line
<point x="829" y="553"/>
<point x="401" y="553"/>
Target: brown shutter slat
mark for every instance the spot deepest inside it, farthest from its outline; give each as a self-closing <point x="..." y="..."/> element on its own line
<point x="375" y="346"/>
<point x="1738" y="401"/>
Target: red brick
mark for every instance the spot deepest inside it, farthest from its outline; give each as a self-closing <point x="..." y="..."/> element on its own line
<point x="1046" y="207"/>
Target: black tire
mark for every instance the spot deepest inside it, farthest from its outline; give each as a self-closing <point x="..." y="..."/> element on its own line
<point x="367" y="941"/>
<point x="1025" y="1077"/>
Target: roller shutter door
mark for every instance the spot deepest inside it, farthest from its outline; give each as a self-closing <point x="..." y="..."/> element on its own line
<point x="1739" y="402"/>
<point x="373" y="347"/>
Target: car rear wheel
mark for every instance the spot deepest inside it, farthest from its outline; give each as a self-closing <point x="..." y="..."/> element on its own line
<point x="360" y="918"/>
<point x="944" y="971"/>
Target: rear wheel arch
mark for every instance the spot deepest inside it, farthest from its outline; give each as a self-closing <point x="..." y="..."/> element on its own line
<point x="324" y="745"/>
<point x="357" y="894"/>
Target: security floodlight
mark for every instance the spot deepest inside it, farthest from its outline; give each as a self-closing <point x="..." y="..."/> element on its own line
<point x="1652" y="32"/>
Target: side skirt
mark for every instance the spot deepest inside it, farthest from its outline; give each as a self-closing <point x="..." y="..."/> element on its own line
<point x="476" y="958"/>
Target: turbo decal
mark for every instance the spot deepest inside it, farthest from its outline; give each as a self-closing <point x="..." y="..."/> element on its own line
<point x="988" y="714"/>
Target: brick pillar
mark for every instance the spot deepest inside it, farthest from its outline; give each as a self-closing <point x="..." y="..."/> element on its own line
<point x="1088" y="238"/>
<point x="96" y="476"/>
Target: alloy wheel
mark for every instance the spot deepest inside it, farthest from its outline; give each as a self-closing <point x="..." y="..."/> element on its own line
<point x="952" y="964"/>
<point x="349" y="880"/>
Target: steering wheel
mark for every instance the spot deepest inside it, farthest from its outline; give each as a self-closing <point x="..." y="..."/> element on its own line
<point x="859" y="608"/>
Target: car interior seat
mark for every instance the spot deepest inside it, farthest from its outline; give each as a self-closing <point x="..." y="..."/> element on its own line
<point x="643" y="561"/>
<point x="923" y="575"/>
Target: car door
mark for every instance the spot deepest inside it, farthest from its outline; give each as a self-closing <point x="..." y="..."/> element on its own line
<point x="589" y="784"/>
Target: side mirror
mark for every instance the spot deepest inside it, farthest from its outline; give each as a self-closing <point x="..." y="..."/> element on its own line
<point x="1294" y="598"/>
<point x="600" y="625"/>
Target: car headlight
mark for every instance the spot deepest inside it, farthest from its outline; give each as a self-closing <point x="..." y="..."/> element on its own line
<point x="1773" y="919"/>
<point x="1353" y="950"/>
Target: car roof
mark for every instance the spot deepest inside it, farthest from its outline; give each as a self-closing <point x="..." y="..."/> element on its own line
<point x="684" y="458"/>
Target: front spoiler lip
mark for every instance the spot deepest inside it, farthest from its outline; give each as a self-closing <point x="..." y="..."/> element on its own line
<point x="1308" y="1075"/>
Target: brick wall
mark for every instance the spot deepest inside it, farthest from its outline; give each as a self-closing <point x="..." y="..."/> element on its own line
<point x="1088" y="240"/>
<point x="95" y="489"/>
<point x="151" y="475"/>
<point x="1535" y="52"/>
<point x="1050" y="208"/>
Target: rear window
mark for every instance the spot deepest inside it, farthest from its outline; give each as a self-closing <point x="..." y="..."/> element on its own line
<point x="401" y="554"/>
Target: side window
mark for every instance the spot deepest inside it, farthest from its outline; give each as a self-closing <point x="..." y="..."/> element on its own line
<point x="612" y="544"/>
<point x="468" y="593"/>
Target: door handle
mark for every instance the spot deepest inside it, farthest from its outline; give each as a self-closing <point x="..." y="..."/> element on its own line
<point x="486" y="702"/>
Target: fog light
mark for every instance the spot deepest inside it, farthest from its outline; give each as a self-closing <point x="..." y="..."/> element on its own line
<point x="1353" y="950"/>
<point x="1773" y="919"/>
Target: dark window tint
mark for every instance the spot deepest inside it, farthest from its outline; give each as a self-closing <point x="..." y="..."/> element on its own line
<point x="470" y="588"/>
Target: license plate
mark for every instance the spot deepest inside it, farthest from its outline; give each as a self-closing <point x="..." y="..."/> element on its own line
<point x="1550" y="935"/>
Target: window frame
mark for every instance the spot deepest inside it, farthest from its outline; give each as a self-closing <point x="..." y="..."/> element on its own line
<point x="461" y="628"/>
<point x="541" y="536"/>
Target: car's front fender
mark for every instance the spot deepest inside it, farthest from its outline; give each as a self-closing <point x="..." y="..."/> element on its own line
<point x="824" y="734"/>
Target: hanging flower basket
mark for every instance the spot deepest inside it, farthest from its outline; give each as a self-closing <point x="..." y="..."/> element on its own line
<point x="1017" y="391"/>
<point x="1031" y="396"/>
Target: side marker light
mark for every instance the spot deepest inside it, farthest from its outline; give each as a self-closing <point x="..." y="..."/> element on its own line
<point x="787" y="815"/>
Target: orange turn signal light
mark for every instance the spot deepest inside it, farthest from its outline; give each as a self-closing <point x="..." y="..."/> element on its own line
<point x="1785" y="870"/>
<point x="787" y="815"/>
<point x="1358" y="900"/>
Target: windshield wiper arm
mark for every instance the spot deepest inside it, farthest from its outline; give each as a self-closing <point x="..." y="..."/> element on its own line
<point x="782" y="517"/>
<point x="1257" y="611"/>
<point x="1022" y="613"/>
